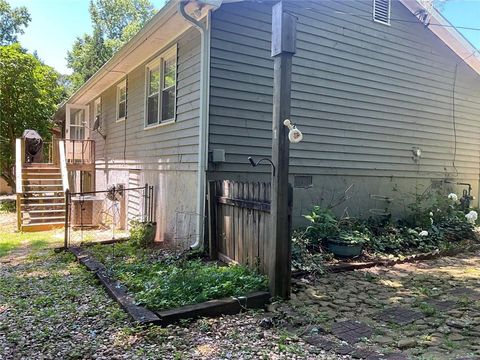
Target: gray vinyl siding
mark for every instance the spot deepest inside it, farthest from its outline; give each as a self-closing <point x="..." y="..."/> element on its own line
<point x="363" y="93"/>
<point x="172" y="146"/>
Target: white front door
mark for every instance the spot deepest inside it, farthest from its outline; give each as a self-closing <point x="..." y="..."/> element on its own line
<point x="77" y="122"/>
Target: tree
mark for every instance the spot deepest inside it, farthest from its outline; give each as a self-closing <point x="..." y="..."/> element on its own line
<point x="12" y="22"/>
<point x="29" y="94"/>
<point x="88" y="54"/>
<point x="114" y="23"/>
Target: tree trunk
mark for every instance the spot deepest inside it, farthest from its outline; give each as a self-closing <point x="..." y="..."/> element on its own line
<point x="10" y="179"/>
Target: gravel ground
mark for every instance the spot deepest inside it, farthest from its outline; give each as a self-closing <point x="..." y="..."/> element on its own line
<point x="52" y="308"/>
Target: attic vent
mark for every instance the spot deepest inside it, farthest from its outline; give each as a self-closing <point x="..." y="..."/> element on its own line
<point x="381" y="11"/>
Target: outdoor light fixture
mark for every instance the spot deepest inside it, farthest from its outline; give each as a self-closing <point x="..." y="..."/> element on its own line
<point x="253" y="163"/>
<point x="294" y="135"/>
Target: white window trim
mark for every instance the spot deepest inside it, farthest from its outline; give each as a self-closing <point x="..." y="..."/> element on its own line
<point x="97" y="104"/>
<point x="389" y="13"/>
<point x="158" y="61"/>
<point x="122" y="84"/>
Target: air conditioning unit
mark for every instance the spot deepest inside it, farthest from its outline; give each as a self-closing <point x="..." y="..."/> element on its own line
<point x="86" y="211"/>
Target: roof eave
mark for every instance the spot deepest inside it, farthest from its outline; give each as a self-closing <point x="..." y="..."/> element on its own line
<point x="444" y="30"/>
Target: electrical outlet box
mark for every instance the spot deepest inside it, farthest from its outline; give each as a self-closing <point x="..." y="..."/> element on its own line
<point x="218" y="155"/>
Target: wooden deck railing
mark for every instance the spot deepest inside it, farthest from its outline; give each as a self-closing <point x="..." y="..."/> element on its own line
<point x="19" y="160"/>
<point x="63" y="164"/>
<point x="80" y="151"/>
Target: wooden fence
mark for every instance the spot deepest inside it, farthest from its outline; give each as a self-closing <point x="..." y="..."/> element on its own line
<point x="239" y="222"/>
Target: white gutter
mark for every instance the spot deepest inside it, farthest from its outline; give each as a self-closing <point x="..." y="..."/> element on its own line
<point x="204" y="29"/>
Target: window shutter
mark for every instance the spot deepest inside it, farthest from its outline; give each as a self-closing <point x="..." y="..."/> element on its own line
<point x="381" y="11"/>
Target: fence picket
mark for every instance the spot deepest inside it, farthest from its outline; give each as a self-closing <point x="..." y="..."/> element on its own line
<point x="242" y="221"/>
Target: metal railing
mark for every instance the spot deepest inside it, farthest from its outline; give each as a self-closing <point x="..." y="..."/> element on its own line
<point x="80" y="151"/>
<point x="104" y="215"/>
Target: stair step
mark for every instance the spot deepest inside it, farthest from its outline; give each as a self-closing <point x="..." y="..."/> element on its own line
<point x="43" y="185"/>
<point x="40" y="165"/>
<point x="46" y="211"/>
<point x="44" y="204"/>
<point x="42" y="198"/>
<point x="42" y="226"/>
<point x="43" y="192"/>
<point x="42" y="220"/>
<point x="42" y="179"/>
<point x="41" y="173"/>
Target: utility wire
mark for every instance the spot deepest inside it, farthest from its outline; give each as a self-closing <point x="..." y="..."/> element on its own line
<point x="365" y="14"/>
<point x="454" y="121"/>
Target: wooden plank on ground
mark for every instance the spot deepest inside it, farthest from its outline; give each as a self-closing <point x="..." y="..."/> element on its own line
<point x="116" y="290"/>
<point x="226" y="306"/>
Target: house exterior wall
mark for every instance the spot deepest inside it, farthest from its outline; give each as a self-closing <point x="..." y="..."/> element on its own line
<point x="164" y="156"/>
<point x="364" y="94"/>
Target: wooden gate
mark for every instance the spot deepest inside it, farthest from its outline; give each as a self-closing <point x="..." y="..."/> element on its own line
<point x="239" y="221"/>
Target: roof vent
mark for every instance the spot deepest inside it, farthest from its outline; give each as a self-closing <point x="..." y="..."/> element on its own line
<point x="381" y="11"/>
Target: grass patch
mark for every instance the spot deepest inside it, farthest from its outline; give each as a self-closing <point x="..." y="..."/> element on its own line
<point x="166" y="282"/>
<point x="10" y="241"/>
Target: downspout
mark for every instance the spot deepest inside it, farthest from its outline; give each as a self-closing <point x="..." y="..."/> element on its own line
<point x="203" y="119"/>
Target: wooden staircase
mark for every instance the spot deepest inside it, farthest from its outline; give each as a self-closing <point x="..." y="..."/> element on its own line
<point x="42" y="200"/>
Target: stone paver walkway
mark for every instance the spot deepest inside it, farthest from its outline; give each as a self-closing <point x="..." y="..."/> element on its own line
<point x="429" y="310"/>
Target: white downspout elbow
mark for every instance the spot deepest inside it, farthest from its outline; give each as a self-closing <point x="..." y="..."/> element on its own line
<point x="202" y="122"/>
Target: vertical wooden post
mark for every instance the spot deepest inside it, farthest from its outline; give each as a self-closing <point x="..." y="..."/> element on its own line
<point x="67" y="213"/>
<point x="19" y="212"/>
<point x="212" y="221"/>
<point x="279" y="244"/>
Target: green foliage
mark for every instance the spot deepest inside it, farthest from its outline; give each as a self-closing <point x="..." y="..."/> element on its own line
<point x="7" y="206"/>
<point x="161" y="280"/>
<point x="12" y="22"/>
<point x="160" y="285"/>
<point x="142" y="233"/>
<point x="326" y="227"/>
<point x="433" y="222"/>
<point x="114" y="23"/>
<point x="29" y="94"/>
<point x="307" y="255"/>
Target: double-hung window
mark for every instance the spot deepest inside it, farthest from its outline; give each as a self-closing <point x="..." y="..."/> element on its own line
<point x="122" y="100"/>
<point x="161" y="81"/>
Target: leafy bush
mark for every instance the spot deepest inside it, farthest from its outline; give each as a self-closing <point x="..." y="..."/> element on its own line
<point x="324" y="224"/>
<point x="326" y="227"/>
<point x="307" y="255"/>
<point x="7" y="206"/>
<point x="433" y="221"/>
<point x="142" y="233"/>
<point x="161" y="286"/>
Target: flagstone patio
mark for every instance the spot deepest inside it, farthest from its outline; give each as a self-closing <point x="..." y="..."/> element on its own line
<point x="427" y="310"/>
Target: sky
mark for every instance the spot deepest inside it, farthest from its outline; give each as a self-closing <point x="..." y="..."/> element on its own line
<point x="54" y="27"/>
<point x="56" y="23"/>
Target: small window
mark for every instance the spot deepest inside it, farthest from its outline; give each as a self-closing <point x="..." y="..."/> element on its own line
<point x="153" y="93"/>
<point x="161" y="89"/>
<point x="122" y="101"/>
<point x="381" y="11"/>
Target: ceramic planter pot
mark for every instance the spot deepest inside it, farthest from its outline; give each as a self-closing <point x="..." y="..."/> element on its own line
<point x="343" y="249"/>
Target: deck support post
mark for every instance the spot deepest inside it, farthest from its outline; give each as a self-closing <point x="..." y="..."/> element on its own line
<point x="279" y="244"/>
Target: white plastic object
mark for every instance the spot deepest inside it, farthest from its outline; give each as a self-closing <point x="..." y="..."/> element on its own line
<point x="294" y="135"/>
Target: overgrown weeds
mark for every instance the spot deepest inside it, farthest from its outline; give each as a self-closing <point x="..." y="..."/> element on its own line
<point x="163" y="280"/>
